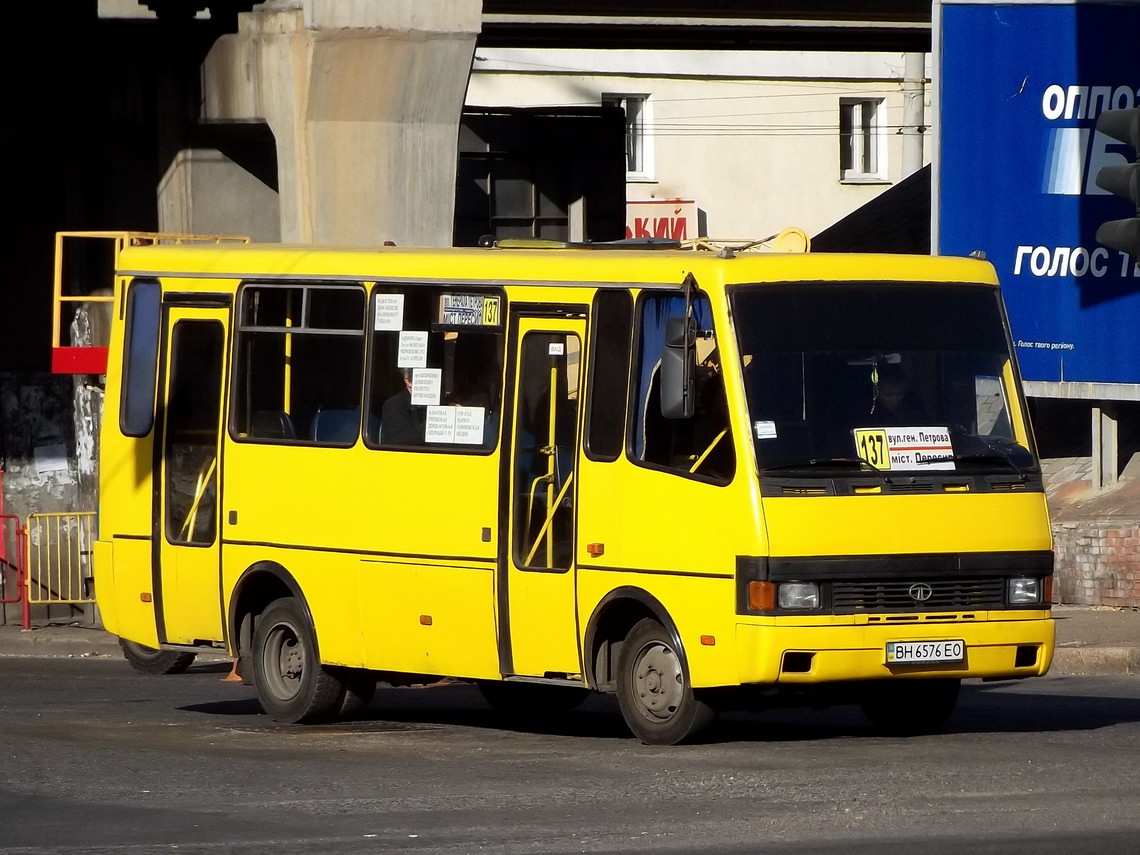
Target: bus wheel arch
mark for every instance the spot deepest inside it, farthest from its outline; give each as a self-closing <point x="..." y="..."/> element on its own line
<point x="261" y="584"/>
<point x="610" y="623"/>
<point x="635" y="651"/>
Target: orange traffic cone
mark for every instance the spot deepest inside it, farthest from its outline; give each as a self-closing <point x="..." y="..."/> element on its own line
<point x="233" y="676"/>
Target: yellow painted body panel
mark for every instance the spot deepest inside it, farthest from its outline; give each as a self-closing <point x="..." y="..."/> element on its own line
<point x="103" y="557"/>
<point x="697" y="605"/>
<point x="343" y="521"/>
<point x="397" y="554"/>
<point x="880" y="525"/>
<point x="129" y="579"/>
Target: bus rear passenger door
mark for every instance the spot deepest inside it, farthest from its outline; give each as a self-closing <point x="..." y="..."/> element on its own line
<point x="538" y="621"/>
<point x="186" y="575"/>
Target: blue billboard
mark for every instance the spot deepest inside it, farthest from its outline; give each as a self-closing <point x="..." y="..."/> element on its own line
<point x="1019" y="86"/>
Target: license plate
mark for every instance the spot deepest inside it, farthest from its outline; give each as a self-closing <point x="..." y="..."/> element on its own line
<point x="923" y="652"/>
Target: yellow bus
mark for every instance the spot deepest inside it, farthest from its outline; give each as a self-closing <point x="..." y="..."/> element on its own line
<point x="693" y="479"/>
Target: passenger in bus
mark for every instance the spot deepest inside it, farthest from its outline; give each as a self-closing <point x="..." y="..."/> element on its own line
<point x="401" y="421"/>
<point x="895" y="404"/>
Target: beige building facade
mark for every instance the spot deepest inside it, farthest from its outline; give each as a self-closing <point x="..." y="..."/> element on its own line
<point x="757" y="140"/>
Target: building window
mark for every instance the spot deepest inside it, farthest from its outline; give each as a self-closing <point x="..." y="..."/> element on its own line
<point x="638" y="151"/>
<point x="861" y="142"/>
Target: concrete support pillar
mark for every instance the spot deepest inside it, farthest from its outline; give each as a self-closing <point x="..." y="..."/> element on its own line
<point x="914" y="123"/>
<point x="364" y="99"/>
<point x="204" y="192"/>
<point x="1104" y="449"/>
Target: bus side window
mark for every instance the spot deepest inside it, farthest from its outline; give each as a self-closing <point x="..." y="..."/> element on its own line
<point x="610" y="341"/>
<point x="299" y="363"/>
<point x="140" y="359"/>
<point x="434" y="368"/>
<point x="698" y="446"/>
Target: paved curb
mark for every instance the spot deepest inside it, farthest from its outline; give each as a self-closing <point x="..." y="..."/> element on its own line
<point x="68" y="642"/>
<point x="1100" y="661"/>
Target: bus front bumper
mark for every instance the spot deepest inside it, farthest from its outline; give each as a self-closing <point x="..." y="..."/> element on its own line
<point x="994" y="647"/>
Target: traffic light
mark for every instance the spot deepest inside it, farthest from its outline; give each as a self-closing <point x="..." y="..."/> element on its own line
<point x="1123" y="180"/>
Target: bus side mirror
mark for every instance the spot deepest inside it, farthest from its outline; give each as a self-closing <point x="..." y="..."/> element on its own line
<point x="678" y="369"/>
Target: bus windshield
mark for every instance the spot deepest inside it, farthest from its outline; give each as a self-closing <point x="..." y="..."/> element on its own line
<point x="894" y="376"/>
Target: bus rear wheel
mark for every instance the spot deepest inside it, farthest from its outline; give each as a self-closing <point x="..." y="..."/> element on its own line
<point x="359" y="690"/>
<point x="292" y="685"/>
<point x="909" y="707"/>
<point x="148" y="660"/>
<point x="656" y="698"/>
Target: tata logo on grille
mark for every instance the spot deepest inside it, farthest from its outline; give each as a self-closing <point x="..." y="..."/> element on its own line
<point x="920" y="592"/>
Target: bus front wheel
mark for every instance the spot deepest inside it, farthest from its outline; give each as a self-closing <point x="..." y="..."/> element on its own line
<point x="656" y="698"/>
<point x="148" y="660"/>
<point x="292" y="685"/>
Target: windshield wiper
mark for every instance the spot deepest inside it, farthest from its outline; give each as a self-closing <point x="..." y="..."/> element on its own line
<point x="824" y="462"/>
<point x="994" y="455"/>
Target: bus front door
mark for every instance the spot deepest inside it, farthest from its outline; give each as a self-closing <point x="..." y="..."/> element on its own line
<point x="187" y="581"/>
<point x="538" y="620"/>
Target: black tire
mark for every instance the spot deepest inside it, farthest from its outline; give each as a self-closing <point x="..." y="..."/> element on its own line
<point x="359" y="689"/>
<point x="656" y="698"/>
<point x="292" y="685"/>
<point x="909" y="707"/>
<point x="533" y="700"/>
<point x="148" y="660"/>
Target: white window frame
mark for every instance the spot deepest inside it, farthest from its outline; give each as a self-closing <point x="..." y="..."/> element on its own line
<point x="638" y="136"/>
<point x="862" y="141"/>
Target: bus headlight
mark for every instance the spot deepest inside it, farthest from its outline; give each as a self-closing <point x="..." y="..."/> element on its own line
<point x="1024" y="590"/>
<point x="800" y="596"/>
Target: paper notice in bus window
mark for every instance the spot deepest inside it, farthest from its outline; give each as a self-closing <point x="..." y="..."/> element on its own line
<point x="426" y="384"/>
<point x="469" y="425"/>
<point x="389" y="313"/>
<point x="905" y="447"/>
<point x="440" y="424"/>
<point x="413" y="349"/>
<point x="469" y="310"/>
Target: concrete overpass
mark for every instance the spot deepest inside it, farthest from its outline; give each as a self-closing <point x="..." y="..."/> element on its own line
<point x="334" y="78"/>
<point x="891" y="25"/>
<point x="116" y="122"/>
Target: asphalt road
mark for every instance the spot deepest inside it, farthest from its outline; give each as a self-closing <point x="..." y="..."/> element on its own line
<point x="97" y="759"/>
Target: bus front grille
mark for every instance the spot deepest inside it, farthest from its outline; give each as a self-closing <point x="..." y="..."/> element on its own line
<point x="917" y="595"/>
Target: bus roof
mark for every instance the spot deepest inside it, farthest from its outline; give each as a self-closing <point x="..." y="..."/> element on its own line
<point x="500" y="266"/>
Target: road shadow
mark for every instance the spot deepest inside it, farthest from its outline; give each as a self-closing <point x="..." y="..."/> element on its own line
<point x="982" y="709"/>
<point x="452" y="704"/>
<point x="985" y="708"/>
<point x="212" y="666"/>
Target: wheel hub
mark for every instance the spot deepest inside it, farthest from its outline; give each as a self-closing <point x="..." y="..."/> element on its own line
<point x="658" y="679"/>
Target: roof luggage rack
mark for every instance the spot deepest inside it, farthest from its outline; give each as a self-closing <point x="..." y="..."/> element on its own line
<point x="791" y="239"/>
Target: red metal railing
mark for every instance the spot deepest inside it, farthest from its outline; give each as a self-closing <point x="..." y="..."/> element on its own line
<point x="13" y="549"/>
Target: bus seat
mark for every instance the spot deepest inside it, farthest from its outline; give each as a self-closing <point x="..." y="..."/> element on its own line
<point x="336" y="425"/>
<point x="272" y="424"/>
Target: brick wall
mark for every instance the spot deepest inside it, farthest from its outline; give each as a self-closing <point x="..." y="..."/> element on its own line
<point x="1097" y="562"/>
